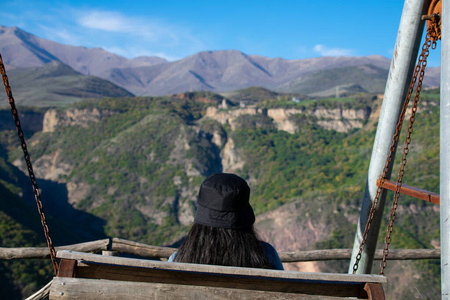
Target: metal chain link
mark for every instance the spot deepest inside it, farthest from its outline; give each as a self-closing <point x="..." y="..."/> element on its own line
<point x="29" y="166"/>
<point x="422" y="63"/>
<point x="418" y="70"/>
<point x="434" y="27"/>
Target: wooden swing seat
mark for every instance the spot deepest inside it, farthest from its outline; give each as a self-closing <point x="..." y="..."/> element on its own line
<point x="93" y="276"/>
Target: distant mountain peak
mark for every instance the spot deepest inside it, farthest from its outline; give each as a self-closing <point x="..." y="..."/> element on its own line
<point x="218" y="70"/>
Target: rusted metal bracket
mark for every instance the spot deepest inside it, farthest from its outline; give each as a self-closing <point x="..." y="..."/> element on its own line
<point x="433" y="19"/>
<point x="67" y="268"/>
<point x="410" y="191"/>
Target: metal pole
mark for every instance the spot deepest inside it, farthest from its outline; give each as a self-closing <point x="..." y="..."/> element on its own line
<point x="445" y="150"/>
<point x="402" y="67"/>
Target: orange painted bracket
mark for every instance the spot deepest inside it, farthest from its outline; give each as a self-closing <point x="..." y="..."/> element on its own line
<point x="410" y="191"/>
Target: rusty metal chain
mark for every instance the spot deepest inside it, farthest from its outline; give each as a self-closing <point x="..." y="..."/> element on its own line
<point x="434" y="27"/>
<point x="422" y="64"/>
<point x="419" y="69"/>
<point x="29" y="166"/>
<point x="434" y="20"/>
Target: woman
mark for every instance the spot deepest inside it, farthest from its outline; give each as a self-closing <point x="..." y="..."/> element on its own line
<point x="222" y="233"/>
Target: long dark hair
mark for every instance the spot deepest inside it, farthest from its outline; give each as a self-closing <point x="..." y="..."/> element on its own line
<point x="222" y="246"/>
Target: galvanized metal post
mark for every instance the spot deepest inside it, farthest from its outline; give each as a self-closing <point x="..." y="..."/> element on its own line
<point x="402" y="67"/>
<point x="445" y="151"/>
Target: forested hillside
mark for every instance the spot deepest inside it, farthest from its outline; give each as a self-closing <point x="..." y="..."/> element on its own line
<point x="131" y="168"/>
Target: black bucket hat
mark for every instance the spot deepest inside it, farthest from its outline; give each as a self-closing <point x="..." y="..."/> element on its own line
<point x="223" y="201"/>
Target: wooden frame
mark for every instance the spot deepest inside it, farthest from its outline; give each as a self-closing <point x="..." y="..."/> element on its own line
<point x="148" y="251"/>
<point x="91" y="276"/>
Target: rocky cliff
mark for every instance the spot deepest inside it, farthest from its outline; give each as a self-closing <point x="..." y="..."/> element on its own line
<point x="337" y="119"/>
<point x="72" y="117"/>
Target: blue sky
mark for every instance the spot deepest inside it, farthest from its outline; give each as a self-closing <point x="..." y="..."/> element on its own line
<point x="173" y="30"/>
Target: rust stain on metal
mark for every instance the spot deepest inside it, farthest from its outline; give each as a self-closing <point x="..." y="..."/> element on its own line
<point x="434" y="18"/>
<point x="394" y="58"/>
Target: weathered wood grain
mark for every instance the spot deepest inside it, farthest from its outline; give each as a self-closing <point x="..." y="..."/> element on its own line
<point x="43" y="252"/>
<point x="140" y="249"/>
<point x="345" y="254"/>
<point x="143" y="263"/>
<point x="90" y="289"/>
<point x="165" y="280"/>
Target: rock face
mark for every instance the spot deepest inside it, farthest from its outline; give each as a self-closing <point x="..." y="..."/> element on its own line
<point x="50" y="121"/>
<point x="231" y="158"/>
<point x="281" y="118"/>
<point x="338" y="119"/>
<point x="79" y="117"/>
<point x="341" y="120"/>
<point x="289" y="232"/>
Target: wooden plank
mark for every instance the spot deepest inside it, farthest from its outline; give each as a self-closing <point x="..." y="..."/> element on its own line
<point x="407" y="254"/>
<point x="185" y="279"/>
<point x="298" y="286"/>
<point x="86" y="257"/>
<point x="43" y="252"/>
<point x="411" y="191"/>
<point x="345" y="254"/>
<point x="374" y="291"/>
<point x="90" y="289"/>
<point x="140" y="249"/>
<point x="316" y="255"/>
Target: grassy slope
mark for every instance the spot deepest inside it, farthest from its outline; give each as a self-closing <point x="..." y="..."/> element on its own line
<point x="56" y="84"/>
<point x="370" y="78"/>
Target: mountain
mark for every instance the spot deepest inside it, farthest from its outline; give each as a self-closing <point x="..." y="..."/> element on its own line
<point x="217" y="71"/>
<point x="362" y="78"/>
<point x="55" y="84"/>
<point x="22" y="49"/>
<point x="221" y="71"/>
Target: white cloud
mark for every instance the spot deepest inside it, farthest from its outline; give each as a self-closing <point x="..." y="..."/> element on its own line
<point x="133" y="36"/>
<point x="324" y="51"/>
<point x="108" y="21"/>
<point x="146" y="28"/>
<point x="129" y="34"/>
<point x="61" y="35"/>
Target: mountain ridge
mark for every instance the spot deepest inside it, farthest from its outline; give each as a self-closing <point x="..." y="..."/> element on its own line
<point x="216" y="71"/>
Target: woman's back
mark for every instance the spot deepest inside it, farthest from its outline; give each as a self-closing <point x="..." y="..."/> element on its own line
<point x="222" y="233"/>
